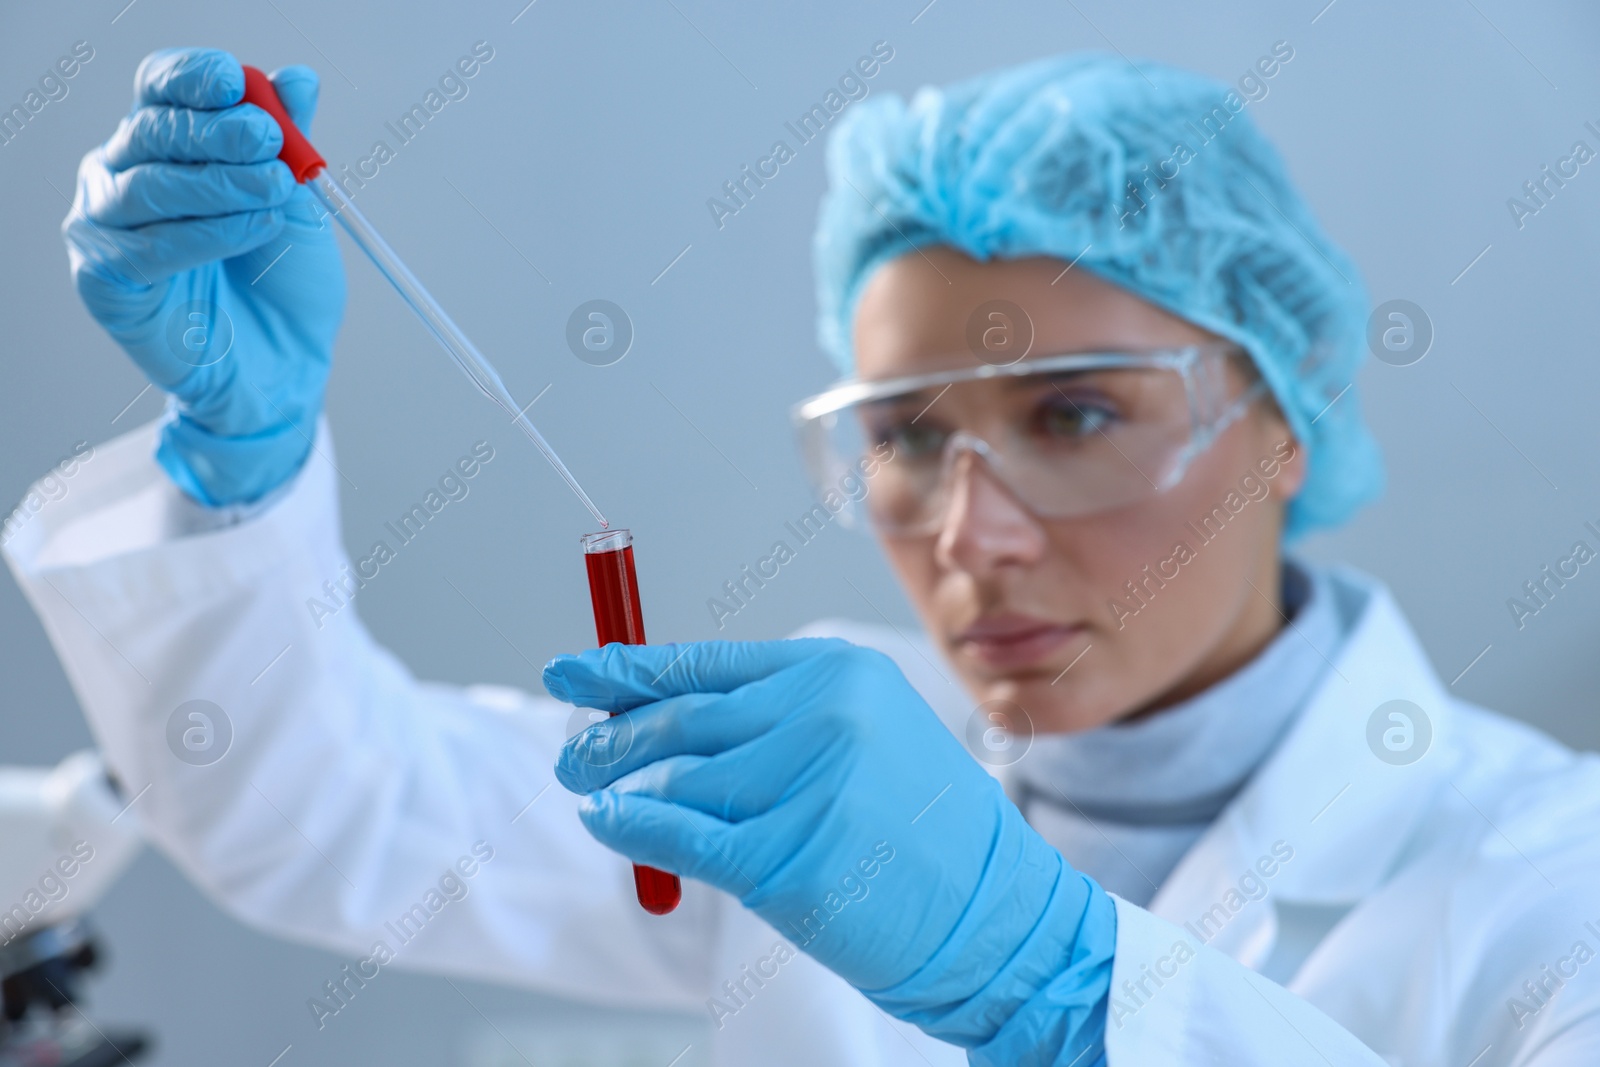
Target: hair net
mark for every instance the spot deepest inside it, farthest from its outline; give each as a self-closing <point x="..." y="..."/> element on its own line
<point x="1163" y="186"/>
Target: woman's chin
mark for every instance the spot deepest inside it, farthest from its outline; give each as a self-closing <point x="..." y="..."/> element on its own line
<point x="1046" y="702"/>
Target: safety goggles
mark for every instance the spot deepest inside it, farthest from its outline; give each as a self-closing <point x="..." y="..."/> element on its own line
<point x="1067" y="435"/>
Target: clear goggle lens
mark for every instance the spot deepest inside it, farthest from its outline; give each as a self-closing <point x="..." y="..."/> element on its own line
<point x="1068" y="435"/>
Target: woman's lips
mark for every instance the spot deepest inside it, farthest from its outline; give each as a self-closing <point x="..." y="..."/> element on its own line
<point x="1006" y="642"/>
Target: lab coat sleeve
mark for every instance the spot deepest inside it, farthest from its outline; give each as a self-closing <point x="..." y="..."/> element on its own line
<point x="1173" y="1000"/>
<point x="352" y="799"/>
<point x="1578" y="1045"/>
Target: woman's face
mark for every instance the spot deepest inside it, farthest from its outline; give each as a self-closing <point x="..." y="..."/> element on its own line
<point x="1014" y="600"/>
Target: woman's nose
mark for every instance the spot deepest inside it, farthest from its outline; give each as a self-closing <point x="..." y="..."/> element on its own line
<point x="985" y="526"/>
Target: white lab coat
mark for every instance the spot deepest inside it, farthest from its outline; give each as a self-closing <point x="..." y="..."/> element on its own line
<point x="1418" y="899"/>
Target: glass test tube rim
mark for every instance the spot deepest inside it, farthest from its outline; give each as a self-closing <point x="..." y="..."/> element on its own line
<point x="613" y="540"/>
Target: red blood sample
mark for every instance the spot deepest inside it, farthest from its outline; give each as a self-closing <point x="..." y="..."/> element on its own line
<point x="614" y="588"/>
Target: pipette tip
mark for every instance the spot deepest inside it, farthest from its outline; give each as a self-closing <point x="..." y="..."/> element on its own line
<point x="601" y="519"/>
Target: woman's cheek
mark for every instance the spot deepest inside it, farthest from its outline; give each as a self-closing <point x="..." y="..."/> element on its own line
<point x="1121" y="553"/>
<point x="919" y="575"/>
<point x="1159" y="590"/>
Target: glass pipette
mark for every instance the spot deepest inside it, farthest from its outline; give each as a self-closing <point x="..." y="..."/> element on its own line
<point x="311" y="170"/>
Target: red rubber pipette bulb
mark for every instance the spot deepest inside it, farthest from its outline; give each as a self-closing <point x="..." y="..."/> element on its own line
<point x="614" y="589"/>
<point x="304" y="161"/>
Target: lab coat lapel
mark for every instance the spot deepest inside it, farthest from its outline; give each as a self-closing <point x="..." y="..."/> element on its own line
<point x="1324" y="819"/>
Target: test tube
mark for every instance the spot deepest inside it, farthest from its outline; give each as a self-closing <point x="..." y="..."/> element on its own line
<point x="614" y="589"/>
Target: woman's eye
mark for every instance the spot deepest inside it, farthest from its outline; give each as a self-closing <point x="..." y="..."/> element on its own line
<point x="911" y="441"/>
<point x="1068" y="419"/>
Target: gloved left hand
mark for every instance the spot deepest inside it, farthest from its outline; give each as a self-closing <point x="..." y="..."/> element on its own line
<point x="808" y="779"/>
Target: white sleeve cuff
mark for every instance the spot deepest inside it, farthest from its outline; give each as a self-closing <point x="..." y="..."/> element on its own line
<point x="1175" y="1000"/>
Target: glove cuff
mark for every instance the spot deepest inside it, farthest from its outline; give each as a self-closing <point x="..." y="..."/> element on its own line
<point x="1025" y="975"/>
<point x="217" y="471"/>
<point x="1065" y="1016"/>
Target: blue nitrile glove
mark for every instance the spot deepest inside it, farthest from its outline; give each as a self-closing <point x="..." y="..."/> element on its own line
<point x="177" y="220"/>
<point x="809" y="780"/>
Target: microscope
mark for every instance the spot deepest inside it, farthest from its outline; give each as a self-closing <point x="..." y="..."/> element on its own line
<point x="66" y="833"/>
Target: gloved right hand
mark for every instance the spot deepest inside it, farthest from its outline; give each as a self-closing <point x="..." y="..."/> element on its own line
<point x="810" y="780"/>
<point x="192" y="244"/>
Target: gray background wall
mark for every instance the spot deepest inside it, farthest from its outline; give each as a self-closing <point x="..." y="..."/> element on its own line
<point x="591" y="142"/>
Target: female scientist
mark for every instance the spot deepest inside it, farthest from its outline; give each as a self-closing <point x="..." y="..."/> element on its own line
<point x="1102" y="356"/>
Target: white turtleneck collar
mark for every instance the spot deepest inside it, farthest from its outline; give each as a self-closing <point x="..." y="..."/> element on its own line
<point x="1124" y="802"/>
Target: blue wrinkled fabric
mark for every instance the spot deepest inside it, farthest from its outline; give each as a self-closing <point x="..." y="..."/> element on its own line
<point x="1038" y="160"/>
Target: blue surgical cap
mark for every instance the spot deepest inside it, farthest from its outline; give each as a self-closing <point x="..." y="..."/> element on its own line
<point x="1153" y="178"/>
